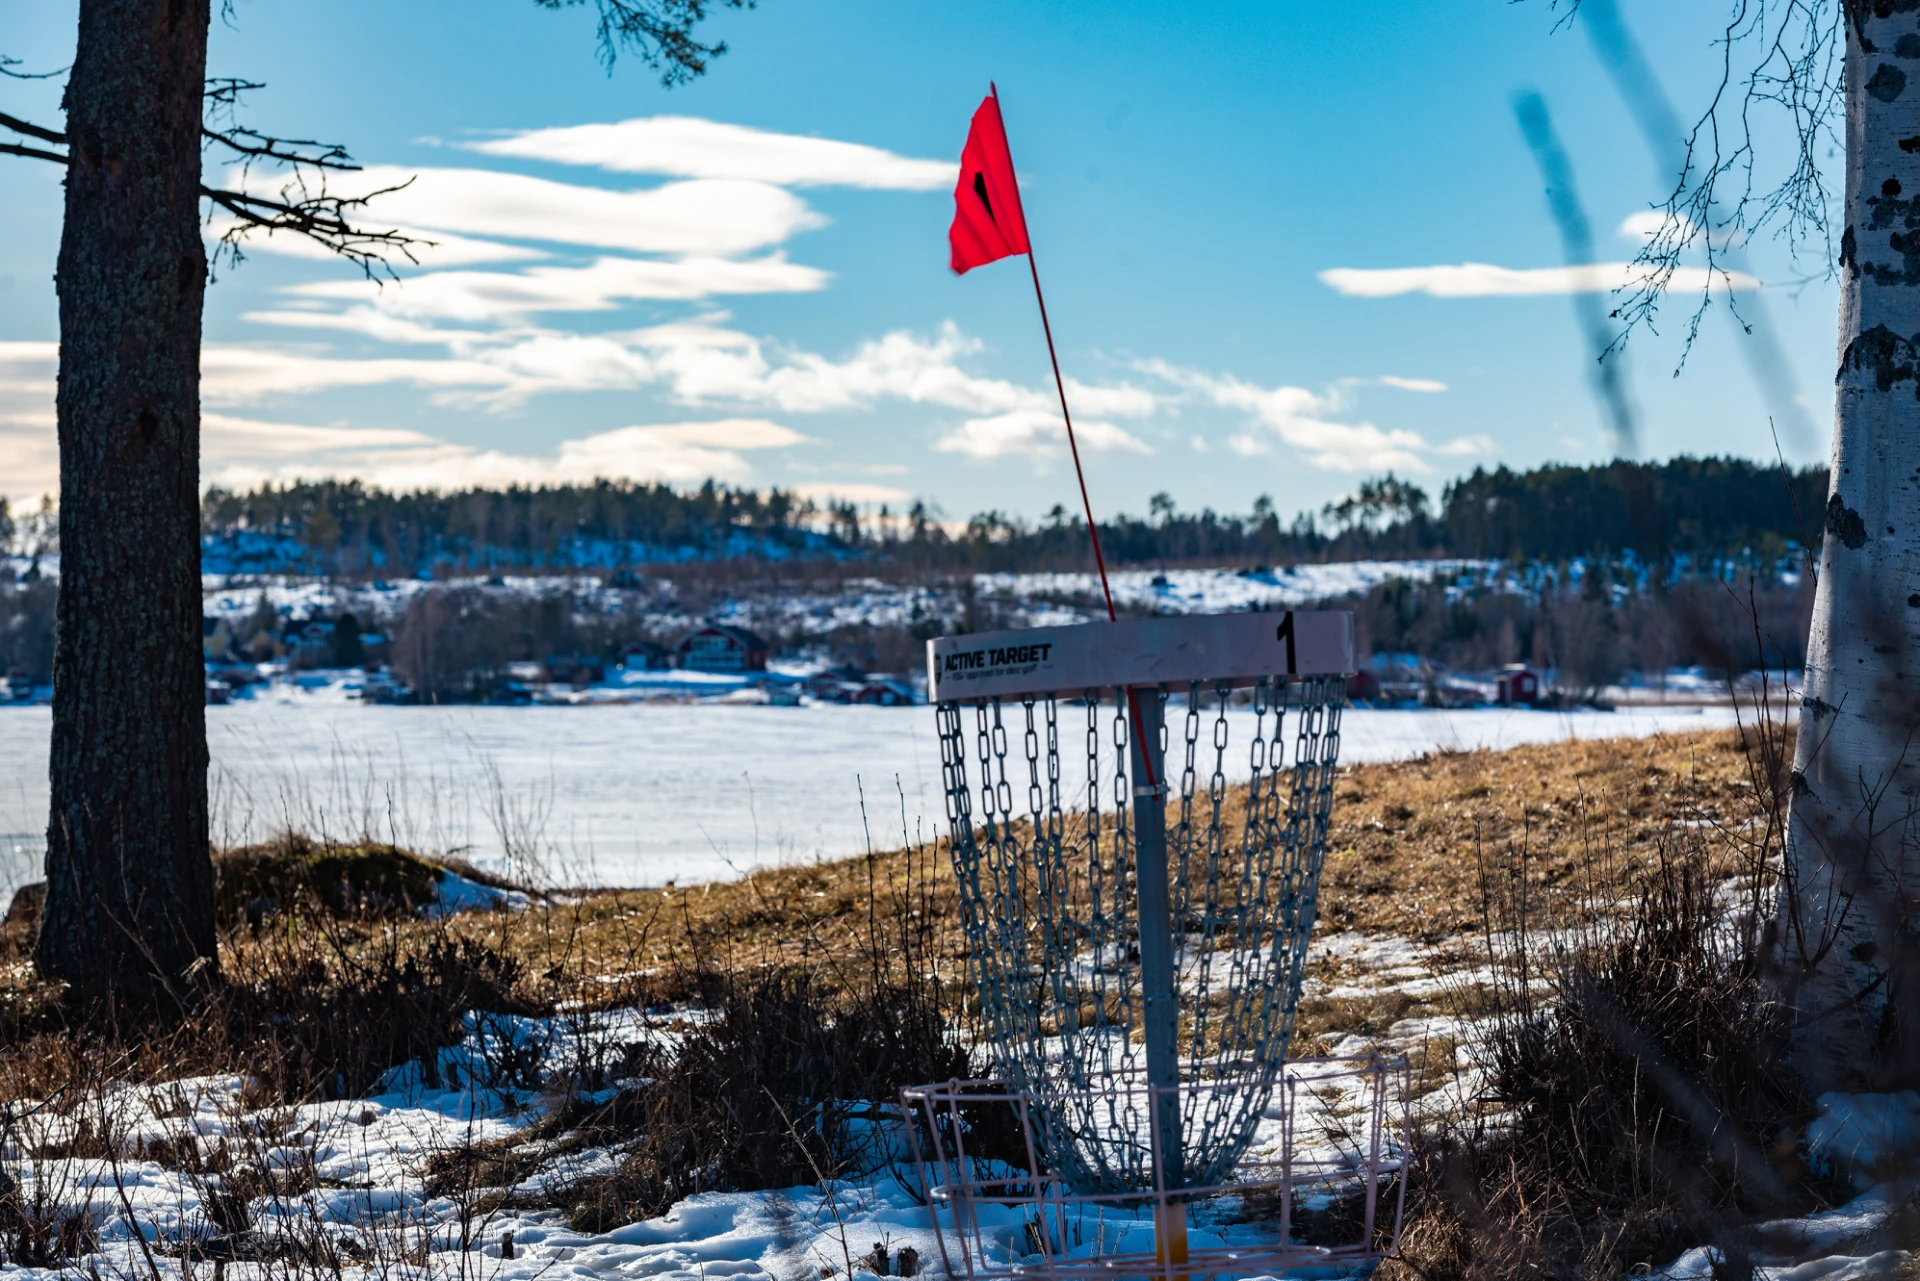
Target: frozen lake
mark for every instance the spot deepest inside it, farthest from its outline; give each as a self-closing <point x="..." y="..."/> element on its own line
<point x="641" y="794"/>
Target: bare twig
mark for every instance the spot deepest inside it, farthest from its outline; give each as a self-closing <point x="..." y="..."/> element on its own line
<point x="7" y="66"/>
<point x="1778" y="58"/>
<point x="304" y="206"/>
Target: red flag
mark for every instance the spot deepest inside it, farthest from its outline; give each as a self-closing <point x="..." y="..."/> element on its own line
<point x="988" y="223"/>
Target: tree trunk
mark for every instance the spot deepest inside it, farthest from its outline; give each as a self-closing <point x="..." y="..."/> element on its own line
<point x="129" y="887"/>
<point x="1853" y="848"/>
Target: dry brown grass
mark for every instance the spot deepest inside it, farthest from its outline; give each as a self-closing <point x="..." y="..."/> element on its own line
<point x="1403" y="857"/>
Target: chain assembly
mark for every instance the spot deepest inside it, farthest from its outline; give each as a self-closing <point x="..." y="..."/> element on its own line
<point x="1050" y="903"/>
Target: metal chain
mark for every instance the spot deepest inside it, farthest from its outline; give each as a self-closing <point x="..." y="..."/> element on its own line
<point x="1049" y="910"/>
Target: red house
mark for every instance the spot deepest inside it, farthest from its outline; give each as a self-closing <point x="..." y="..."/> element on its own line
<point x="1517" y="686"/>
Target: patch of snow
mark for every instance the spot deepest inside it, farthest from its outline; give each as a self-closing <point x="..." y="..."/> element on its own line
<point x="456" y="893"/>
<point x="1863" y="1133"/>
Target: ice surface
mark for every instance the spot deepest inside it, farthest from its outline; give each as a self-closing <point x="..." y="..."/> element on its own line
<point x="642" y="794"/>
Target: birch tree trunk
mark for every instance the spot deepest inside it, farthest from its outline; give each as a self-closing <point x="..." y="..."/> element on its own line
<point x="129" y="905"/>
<point x="1853" y="849"/>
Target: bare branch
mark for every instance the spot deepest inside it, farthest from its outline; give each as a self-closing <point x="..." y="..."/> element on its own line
<point x="658" y="32"/>
<point x="1778" y="58"/>
<point x="31" y="130"/>
<point x="260" y="146"/>
<point x="223" y="98"/>
<point x="32" y="153"/>
<point x="7" y="66"/>
<point x="305" y="207"/>
<point x="320" y="217"/>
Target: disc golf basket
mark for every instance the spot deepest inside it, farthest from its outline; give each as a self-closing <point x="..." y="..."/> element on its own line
<point x="1137" y="934"/>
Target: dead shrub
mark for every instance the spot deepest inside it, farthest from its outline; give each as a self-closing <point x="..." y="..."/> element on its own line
<point x="769" y="1093"/>
<point x="1639" y="1100"/>
<point x="327" y="1022"/>
<point x="37" y="1231"/>
<point x="293" y="873"/>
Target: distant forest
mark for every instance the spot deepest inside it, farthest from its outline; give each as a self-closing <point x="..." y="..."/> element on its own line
<point x="1700" y="508"/>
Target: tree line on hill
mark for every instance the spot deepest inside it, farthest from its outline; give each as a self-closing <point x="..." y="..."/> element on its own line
<point x="1589" y="629"/>
<point x="1665" y="604"/>
<point x="1593" y="629"/>
<point x="1701" y="508"/>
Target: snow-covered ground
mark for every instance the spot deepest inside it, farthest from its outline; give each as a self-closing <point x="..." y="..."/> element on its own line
<point x="348" y="1177"/>
<point x="640" y="794"/>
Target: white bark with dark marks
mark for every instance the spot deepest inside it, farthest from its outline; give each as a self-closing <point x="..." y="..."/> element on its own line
<point x="1850" y="918"/>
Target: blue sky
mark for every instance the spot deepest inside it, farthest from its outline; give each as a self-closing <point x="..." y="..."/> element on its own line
<point x="746" y="277"/>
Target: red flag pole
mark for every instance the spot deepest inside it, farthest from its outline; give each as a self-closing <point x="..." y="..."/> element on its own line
<point x="1059" y="384"/>
<point x="1079" y="472"/>
<point x="1162" y="1015"/>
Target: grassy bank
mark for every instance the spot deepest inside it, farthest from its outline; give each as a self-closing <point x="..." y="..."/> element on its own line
<point x="804" y="991"/>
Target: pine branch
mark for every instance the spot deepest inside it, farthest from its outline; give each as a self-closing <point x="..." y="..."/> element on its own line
<point x="658" y="32"/>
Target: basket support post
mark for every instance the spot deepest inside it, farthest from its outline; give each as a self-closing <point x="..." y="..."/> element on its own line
<point x="1160" y="997"/>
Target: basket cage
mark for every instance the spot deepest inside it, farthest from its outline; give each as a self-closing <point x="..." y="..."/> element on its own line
<point x="1224" y="822"/>
<point x="1323" y="1187"/>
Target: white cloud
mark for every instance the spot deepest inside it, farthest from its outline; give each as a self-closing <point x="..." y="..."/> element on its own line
<point x="687" y="147"/>
<point x="854" y="491"/>
<point x="712" y="217"/>
<point x="726" y="433"/>
<point x="1302" y="420"/>
<point x="237" y="375"/>
<point x="1481" y="280"/>
<point x="246" y="452"/>
<point x="1427" y="385"/>
<point x="446" y="249"/>
<point x="28" y="368"/>
<point x="32" y="451"/>
<point x="1644" y="226"/>
<point x="1641" y="226"/>
<point x="370" y="322"/>
<point x="697" y="362"/>
<point x="1033" y="433"/>
<point x="225" y="438"/>
<point x="501" y="296"/>
<point x="29" y="448"/>
<point x="704" y="362"/>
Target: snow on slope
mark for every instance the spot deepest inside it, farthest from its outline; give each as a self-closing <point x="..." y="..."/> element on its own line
<point x="1213" y="591"/>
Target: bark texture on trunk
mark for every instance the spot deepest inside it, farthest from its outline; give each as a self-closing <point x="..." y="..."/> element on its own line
<point x="129" y="888"/>
<point x="1853" y="847"/>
